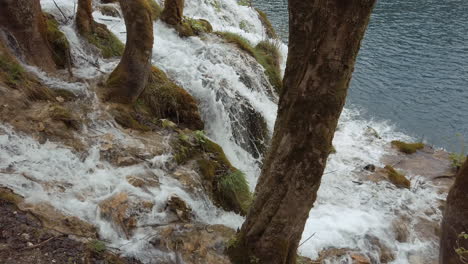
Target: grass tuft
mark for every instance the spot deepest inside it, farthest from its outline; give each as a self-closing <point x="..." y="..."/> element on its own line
<point x="397" y="178"/>
<point x="408" y="148"/>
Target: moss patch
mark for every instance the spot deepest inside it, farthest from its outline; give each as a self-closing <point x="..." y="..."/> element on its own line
<point x="225" y="184"/>
<point x="13" y="75"/>
<point x="155" y="9"/>
<point x="270" y="30"/>
<point x="163" y="99"/>
<point x="408" y="148"/>
<point x="58" y="42"/>
<point x="397" y="178"/>
<point x="105" y="41"/>
<point x="266" y="53"/>
<point x="193" y="27"/>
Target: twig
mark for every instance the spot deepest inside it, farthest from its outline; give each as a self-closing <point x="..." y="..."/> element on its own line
<point x="38" y="245"/>
<point x="66" y="19"/>
<point x="306" y="240"/>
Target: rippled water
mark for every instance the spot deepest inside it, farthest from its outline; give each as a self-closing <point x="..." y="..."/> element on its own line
<point x="413" y="67"/>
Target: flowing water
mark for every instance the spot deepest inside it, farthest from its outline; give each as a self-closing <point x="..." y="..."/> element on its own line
<point x="223" y="80"/>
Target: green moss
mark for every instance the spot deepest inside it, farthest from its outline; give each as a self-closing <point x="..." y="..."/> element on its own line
<point x="60" y="113"/>
<point x="194" y="27"/>
<point x="155" y="9"/>
<point x="266" y="53"/>
<point x="397" y="178"/>
<point x="234" y="191"/>
<point x="457" y="159"/>
<point x="270" y="30"/>
<point x="163" y="99"/>
<point x="127" y="120"/>
<point x="13" y="73"/>
<point x="58" y="42"/>
<point x="105" y="41"/>
<point x="408" y="148"/>
<point x="96" y="246"/>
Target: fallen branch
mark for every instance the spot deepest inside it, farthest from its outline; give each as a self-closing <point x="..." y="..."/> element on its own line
<point x="38" y="245"/>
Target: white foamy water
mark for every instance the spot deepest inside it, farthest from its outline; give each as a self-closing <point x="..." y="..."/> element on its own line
<point x="221" y="78"/>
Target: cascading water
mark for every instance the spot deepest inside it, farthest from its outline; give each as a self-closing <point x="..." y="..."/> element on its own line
<point x="230" y="87"/>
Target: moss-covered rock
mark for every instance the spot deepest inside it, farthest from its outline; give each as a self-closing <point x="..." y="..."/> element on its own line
<point x="13" y="75"/>
<point x="397" y="178"/>
<point x="266" y="53"/>
<point x="190" y="27"/>
<point x="163" y="99"/>
<point x="270" y="30"/>
<point x="408" y="148"/>
<point x="58" y="42"/>
<point x="226" y="185"/>
<point x="105" y="41"/>
<point x="60" y="113"/>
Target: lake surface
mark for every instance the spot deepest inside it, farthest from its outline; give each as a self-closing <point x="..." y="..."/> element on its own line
<point x="412" y="70"/>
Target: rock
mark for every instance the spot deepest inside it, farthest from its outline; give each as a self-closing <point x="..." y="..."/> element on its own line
<point x="178" y="206"/>
<point x="370" y="167"/>
<point x="143" y="180"/>
<point x="115" y="210"/>
<point x="385" y="253"/>
<point x="400" y="228"/>
<point x="360" y="259"/>
<point x="195" y="243"/>
<point x="127" y="161"/>
<point x="372" y="132"/>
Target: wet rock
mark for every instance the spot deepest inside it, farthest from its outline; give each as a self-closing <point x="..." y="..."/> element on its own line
<point x="398" y="179"/>
<point x="178" y="206"/>
<point x="386" y="254"/>
<point x="144" y="181"/>
<point x="127" y="161"/>
<point x="370" y="167"/>
<point x="195" y="243"/>
<point x="371" y="132"/>
<point x="115" y="209"/>
<point x="400" y="228"/>
<point x="360" y="259"/>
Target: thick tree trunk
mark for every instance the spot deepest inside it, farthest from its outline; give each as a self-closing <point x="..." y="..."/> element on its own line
<point x="455" y="221"/>
<point x="173" y="12"/>
<point x="23" y="19"/>
<point x="84" y="17"/>
<point x="324" y="41"/>
<point x="129" y="79"/>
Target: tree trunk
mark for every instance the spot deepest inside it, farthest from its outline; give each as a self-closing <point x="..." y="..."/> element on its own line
<point x="84" y="17"/>
<point x="455" y="221"/>
<point x="23" y="19"/>
<point x="173" y="12"/>
<point x="129" y="79"/>
<point x="324" y="41"/>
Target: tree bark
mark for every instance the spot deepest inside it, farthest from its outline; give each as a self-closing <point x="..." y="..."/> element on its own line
<point x="24" y="20"/>
<point x="84" y="17"/>
<point x="129" y="79"/>
<point x="324" y="41"/>
<point x="455" y="220"/>
<point x="173" y="12"/>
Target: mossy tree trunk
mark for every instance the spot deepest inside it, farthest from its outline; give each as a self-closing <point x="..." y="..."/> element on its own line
<point x="84" y="17"/>
<point x="24" y="20"/>
<point x="173" y="12"/>
<point x="129" y="79"/>
<point x="455" y="220"/>
<point x="324" y="41"/>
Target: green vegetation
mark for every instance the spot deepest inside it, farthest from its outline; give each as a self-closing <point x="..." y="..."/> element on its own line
<point x="11" y="72"/>
<point x="155" y="9"/>
<point x="460" y="250"/>
<point x="270" y="30"/>
<point x="194" y="27"/>
<point x="96" y="246"/>
<point x="245" y="2"/>
<point x="58" y="42"/>
<point x="408" y="148"/>
<point x="458" y="158"/>
<point x="266" y="53"/>
<point x="163" y="99"/>
<point x="105" y="41"/>
<point x="397" y="178"/>
<point x="109" y="11"/>
<point x="225" y="184"/>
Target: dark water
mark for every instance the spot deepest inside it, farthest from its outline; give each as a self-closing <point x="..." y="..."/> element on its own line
<point x="412" y="69"/>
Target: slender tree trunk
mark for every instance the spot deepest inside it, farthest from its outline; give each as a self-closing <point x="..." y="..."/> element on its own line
<point x="324" y="41"/>
<point x="24" y="20"/>
<point x="129" y="79"/>
<point x="455" y="220"/>
<point x="84" y="17"/>
<point x="173" y="12"/>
